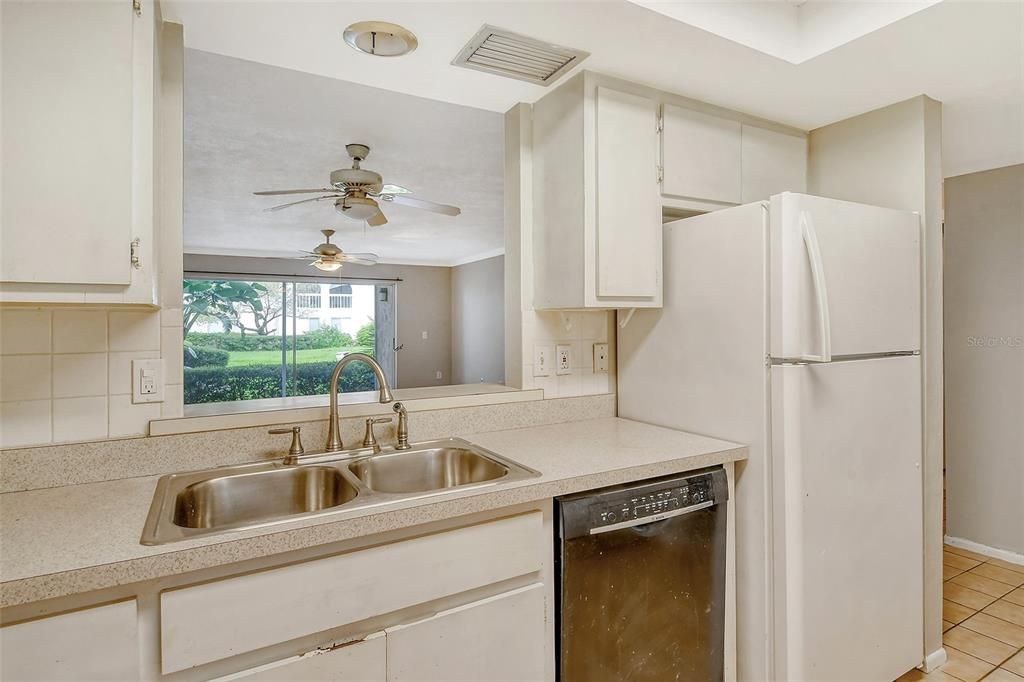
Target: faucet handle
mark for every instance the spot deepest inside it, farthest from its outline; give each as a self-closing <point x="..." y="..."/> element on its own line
<point x="369" y="439"/>
<point x="296" y="446"/>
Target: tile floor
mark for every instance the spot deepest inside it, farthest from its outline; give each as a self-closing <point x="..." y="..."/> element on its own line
<point x="983" y="620"/>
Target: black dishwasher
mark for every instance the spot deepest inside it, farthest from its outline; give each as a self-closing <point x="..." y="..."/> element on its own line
<point x="641" y="581"/>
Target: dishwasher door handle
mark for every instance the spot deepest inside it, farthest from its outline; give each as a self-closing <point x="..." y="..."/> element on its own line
<point x="647" y="520"/>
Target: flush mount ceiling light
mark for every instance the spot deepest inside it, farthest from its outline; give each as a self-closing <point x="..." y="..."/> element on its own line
<point x="380" y="38"/>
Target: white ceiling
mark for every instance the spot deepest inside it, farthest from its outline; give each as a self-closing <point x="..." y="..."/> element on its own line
<point x="794" y="30"/>
<point x="251" y="127"/>
<point x="969" y="54"/>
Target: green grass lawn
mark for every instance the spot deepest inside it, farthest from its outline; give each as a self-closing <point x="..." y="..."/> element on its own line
<point x="273" y="357"/>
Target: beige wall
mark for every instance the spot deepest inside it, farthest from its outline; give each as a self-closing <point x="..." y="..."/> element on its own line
<point x="478" y="322"/>
<point x="423" y="305"/>
<point x="892" y="157"/>
<point x="984" y="330"/>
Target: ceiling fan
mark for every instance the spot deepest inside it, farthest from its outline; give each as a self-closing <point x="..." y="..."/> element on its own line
<point x="356" y="192"/>
<point x="329" y="257"/>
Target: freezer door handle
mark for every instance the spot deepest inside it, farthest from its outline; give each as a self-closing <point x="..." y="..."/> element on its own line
<point x="810" y="238"/>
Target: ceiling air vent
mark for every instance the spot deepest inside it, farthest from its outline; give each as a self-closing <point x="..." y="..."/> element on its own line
<point x="512" y="55"/>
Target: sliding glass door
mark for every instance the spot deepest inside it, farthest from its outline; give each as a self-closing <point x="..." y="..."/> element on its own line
<point x="263" y="338"/>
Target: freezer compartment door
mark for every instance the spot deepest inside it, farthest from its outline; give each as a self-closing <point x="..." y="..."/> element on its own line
<point x="845" y="278"/>
<point x="846" y="454"/>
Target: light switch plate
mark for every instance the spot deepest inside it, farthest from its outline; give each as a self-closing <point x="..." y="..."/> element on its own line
<point x="147" y="381"/>
<point x="563" y="359"/>
<point x="600" y="357"/>
<point x="542" y="361"/>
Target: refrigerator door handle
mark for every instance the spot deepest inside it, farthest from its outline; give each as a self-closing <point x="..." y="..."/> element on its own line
<point x="810" y="238"/>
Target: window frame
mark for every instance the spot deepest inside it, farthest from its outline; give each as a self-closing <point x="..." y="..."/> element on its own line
<point x="294" y="280"/>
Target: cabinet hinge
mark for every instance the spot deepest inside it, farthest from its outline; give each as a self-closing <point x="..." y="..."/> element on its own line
<point x="137" y="6"/>
<point x="135" y="255"/>
<point x="661" y="174"/>
<point x="661" y="124"/>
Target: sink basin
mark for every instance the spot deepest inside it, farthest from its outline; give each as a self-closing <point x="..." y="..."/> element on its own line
<point x="229" y="501"/>
<point x="419" y="471"/>
<point x="245" y="496"/>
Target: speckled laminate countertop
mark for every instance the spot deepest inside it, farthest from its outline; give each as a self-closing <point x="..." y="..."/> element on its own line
<point x="61" y="541"/>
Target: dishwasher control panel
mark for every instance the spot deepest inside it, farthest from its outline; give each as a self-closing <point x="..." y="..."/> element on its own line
<point x="692" y="492"/>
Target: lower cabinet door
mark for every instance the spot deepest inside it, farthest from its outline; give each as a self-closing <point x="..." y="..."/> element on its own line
<point x="363" y="661"/>
<point x="98" y="643"/>
<point x="498" y="639"/>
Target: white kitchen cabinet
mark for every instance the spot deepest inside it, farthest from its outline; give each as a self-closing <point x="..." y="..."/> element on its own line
<point x="215" y="620"/>
<point x="498" y="639"/>
<point x="773" y="162"/>
<point x="700" y="156"/>
<point x="77" y="136"/>
<point x="609" y="158"/>
<point x="100" y="643"/>
<point x="597" y="209"/>
<point x="361" y="661"/>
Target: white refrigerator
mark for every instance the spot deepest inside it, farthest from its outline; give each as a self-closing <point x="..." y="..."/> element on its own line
<point x="794" y="326"/>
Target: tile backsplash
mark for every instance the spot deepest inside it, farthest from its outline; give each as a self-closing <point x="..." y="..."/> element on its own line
<point x="580" y="330"/>
<point x="65" y="375"/>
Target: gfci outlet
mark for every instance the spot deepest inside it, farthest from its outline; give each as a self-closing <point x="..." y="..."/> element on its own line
<point x="147" y="381"/>
<point x="600" y="357"/>
<point x="542" y="361"/>
<point x="563" y="356"/>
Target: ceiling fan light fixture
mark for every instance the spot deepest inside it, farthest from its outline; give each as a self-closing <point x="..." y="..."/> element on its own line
<point x="326" y="265"/>
<point x="357" y="208"/>
<point x="380" y="38"/>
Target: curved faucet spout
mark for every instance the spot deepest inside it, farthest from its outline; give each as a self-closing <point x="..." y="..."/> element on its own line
<point x="333" y="431"/>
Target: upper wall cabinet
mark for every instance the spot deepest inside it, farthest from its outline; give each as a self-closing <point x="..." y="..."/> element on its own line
<point x="772" y="162"/>
<point x="597" y="209"/>
<point x="610" y="157"/>
<point x="700" y="156"/>
<point x="77" y="137"/>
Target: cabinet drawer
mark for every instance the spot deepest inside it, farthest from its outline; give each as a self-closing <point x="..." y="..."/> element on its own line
<point x="93" y="644"/>
<point x="220" y="619"/>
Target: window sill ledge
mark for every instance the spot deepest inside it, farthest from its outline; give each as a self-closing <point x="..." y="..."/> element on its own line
<point x="249" y="413"/>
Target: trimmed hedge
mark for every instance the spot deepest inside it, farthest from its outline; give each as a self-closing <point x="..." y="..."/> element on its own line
<point x="221" y="384"/>
<point x="325" y="337"/>
<point x="233" y="341"/>
<point x="198" y="356"/>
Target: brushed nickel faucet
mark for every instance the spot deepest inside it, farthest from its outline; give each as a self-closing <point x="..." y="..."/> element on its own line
<point x="333" y="430"/>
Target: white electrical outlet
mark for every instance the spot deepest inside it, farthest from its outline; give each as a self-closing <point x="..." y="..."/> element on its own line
<point x="563" y="358"/>
<point x="542" y="361"/>
<point x="600" y="357"/>
<point x="147" y="381"/>
<point x="426" y="335"/>
<point x="438" y="375"/>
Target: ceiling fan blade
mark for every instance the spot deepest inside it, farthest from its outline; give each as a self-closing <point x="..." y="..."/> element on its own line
<point x="300" y="201"/>
<point x="394" y="189"/>
<point x="275" y="192"/>
<point x="377" y="219"/>
<point x="360" y="258"/>
<point x="425" y="205"/>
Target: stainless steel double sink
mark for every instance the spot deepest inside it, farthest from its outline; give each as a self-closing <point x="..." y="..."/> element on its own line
<point x="246" y="496"/>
